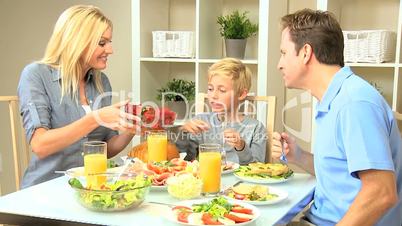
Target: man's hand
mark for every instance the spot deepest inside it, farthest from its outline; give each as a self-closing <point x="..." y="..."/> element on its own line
<point x="289" y="144"/>
<point x="293" y="152"/>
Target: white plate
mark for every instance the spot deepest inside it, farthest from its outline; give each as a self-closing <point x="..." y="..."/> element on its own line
<point x="235" y="166"/>
<point x="263" y="180"/>
<point x="173" y="217"/>
<point x="159" y="188"/>
<point x="79" y="171"/>
<point x="282" y="195"/>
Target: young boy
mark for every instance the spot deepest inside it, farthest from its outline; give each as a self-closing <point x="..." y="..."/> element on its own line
<point x="244" y="138"/>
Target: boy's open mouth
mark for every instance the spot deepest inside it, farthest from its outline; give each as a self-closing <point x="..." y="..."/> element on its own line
<point x="216" y="105"/>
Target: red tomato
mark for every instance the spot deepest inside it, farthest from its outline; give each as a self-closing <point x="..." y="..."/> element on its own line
<point x="242" y="210"/>
<point x="104" y="187"/>
<point x="183" y="216"/>
<point x="152" y="167"/>
<point x="156" y="169"/>
<point x="163" y="176"/>
<point x="207" y="219"/>
<point x="239" y="196"/>
<point x="236" y="218"/>
<point x="178" y="162"/>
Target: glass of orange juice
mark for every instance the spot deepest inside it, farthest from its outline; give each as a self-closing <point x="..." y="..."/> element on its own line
<point x="210" y="168"/>
<point x="95" y="162"/>
<point x="157" y="145"/>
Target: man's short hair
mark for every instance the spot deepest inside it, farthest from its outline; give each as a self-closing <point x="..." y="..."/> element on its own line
<point x="320" y="30"/>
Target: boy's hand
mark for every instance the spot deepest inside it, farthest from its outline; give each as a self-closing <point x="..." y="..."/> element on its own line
<point x="232" y="138"/>
<point x="195" y="126"/>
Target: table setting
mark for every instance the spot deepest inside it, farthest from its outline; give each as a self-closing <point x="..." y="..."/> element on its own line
<point x="189" y="184"/>
<point x="155" y="186"/>
<point x="55" y="201"/>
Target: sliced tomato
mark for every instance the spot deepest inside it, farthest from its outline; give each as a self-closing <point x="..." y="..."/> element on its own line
<point x="178" y="162"/>
<point x="156" y="169"/>
<point x="239" y="196"/>
<point x="164" y="169"/>
<point x="242" y="210"/>
<point x="236" y="218"/>
<point x="209" y="220"/>
<point x="163" y="176"/>
<point x="183" y="216"/>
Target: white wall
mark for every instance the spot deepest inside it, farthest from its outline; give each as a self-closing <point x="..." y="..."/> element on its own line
<point x="25" y="29"/>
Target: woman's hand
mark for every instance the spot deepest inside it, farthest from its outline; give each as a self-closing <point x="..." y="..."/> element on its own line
<point x="114" y="117"/>
<point x="232" y="138"/>
<point x="195" y="126"/>
<point x="289" y="144"/>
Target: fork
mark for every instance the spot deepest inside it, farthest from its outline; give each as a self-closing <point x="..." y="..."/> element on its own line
<point x="223" y="191"/>
<point x="283" y="158"/>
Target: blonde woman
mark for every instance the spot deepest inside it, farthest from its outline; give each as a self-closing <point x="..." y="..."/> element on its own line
<point x="61" y="96"/>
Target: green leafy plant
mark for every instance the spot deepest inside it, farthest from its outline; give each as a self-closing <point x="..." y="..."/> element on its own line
<point x="177" y="86"/>
<point x="236" y="26"/>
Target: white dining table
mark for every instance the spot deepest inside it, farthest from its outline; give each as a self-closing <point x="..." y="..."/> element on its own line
<point x="54" y="202"/>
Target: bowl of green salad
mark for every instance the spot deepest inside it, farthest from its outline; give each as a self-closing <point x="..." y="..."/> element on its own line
<point x="113" y="192"/>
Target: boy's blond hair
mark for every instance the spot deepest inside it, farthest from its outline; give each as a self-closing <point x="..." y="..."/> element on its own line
<point x="75" y="36"/>
<point x="235" y="69"/>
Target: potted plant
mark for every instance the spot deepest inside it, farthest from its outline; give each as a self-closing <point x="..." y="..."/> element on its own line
<point x="236" y="28"/>
<point x="178" y="95"/>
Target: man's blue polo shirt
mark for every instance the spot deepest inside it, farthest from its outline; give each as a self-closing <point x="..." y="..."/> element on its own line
<point x="355" y="130"/>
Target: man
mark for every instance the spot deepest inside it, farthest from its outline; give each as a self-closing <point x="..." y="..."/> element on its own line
<point x="358" y="150"/>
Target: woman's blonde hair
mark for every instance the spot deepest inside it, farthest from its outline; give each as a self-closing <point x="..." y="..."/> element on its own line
<point x="235" y="69"/>
<point x="75" y="37"/>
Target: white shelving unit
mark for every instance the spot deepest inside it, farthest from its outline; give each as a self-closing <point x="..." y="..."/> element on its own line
<point x="200" y="16"/>
<point x="262" y="52"/>
<point x="370" y="15"/>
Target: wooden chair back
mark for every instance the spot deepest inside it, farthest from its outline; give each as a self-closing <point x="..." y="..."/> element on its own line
<point x="250" y="101"/>
<point x="398" y="117"/>
<point x="19" y="144"/>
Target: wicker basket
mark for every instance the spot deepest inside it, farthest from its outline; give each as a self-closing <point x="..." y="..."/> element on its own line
<point x="173" y="44"/>
<point x="370" y="46"/>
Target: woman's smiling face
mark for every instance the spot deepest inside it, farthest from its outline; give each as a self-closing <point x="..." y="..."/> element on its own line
<point x="98" y="59"/>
